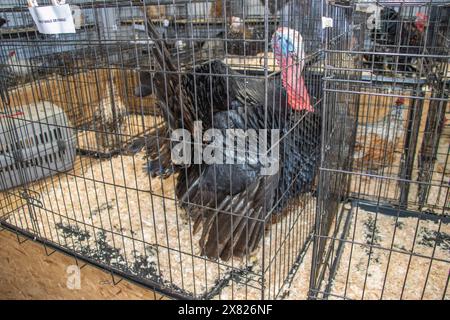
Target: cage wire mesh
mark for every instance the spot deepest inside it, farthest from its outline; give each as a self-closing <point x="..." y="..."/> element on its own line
<point x="358" y="207"/>
<point x="386" y="234"/>
<point x="209" y="231"/>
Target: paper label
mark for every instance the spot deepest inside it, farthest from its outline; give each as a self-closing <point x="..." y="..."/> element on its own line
<point x="327" y="22"/>
<point x="53" y="19"/>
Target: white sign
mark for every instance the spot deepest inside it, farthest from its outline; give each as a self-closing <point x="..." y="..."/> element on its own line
<point x="53" y="19"/>
<point x="327" y="22"/>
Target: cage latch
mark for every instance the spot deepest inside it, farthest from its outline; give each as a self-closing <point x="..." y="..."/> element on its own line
<point x="32" y="198"/>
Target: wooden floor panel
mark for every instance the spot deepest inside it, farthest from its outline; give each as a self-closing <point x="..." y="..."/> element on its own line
<point x="26" y="272"/>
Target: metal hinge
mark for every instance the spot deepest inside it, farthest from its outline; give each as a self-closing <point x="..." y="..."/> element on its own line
<point x="32" y="198"/>
<point x="33" y="201"/>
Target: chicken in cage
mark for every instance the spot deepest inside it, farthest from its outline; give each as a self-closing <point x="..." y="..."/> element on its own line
<point x="380" y="137"/>
<point x="385" y="235"/>
<point x="402" y="40"/>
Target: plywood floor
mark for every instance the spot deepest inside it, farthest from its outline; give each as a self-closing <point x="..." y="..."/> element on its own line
<point x="26" y="272"/>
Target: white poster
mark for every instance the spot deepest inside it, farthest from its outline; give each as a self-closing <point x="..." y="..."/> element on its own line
<point x="53" y="19"/>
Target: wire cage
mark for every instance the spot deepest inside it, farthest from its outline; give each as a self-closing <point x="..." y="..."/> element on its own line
<point x="350" y="97"/>
<point x="386" y="234"/>
<point x="77" y="71"/>
<point x="197" y="230"/>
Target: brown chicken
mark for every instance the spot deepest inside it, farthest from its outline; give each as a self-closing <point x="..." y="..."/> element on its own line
<point x="377" y="142"/>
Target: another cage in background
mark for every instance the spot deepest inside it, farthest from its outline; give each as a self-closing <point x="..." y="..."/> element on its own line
<point x="120" y="207"/>
<point x="82" y="73"/>
<point x="386" y="234"/>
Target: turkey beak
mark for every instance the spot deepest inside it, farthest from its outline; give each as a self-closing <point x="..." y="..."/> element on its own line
<point x="143" y="91"/>
<point x="144" y="87"/>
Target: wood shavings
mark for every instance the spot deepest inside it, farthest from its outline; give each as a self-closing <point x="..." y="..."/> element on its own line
<point x="114" y="213"/>
<point x="132" y="126"/>
<point x="368" y="269"/>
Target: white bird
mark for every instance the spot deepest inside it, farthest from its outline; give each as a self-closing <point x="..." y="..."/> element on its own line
<point x="237" y="24"/>
<point x="109" y="120"/>
<point x="20" y="68"/>
<point x="16" y="66"/>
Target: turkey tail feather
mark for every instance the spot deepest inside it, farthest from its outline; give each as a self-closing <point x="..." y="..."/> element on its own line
<point x="237" y="226"/>
<point x="162" y="54"/>
<point x="158" y="151"/>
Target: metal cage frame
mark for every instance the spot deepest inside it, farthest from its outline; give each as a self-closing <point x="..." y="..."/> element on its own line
<point x="381" y="99"/>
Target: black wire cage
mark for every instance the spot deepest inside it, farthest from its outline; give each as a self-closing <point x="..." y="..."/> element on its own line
<point x="385" y="235"/>
<point x="94" y="123"/>
<point x="195" y="230"/>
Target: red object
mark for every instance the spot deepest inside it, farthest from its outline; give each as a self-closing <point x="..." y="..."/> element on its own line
<point x="400" y="101"/>
<point x="12" y="53"/>
<point x="13" y="115"/>
<point x="297" y="93"/>
<point x="421" y="21"/>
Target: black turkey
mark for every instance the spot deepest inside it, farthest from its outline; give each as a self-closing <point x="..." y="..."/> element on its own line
<point x="232" y="203"/>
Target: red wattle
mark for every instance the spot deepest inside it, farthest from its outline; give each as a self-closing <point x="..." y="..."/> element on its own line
<point x="299" y="99"/>
<point x="294" y="84"/>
